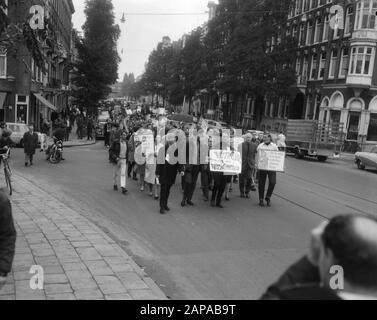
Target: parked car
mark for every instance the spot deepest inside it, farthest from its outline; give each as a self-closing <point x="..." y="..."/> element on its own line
<point x="18" y="131"/>
<point x="366" y="159"/>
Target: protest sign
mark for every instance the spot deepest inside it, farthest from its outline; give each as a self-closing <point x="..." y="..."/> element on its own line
<point x="269" y="160"/>
<point x="225" y="161"/>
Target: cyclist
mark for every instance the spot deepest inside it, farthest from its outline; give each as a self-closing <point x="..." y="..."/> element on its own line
<point x="5" y="142"/>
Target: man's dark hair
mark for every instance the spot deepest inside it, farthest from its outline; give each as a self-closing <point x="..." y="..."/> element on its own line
<point x="356" y="254"/>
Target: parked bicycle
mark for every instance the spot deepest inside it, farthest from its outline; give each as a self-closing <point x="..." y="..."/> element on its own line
<point x="7" y="170"/>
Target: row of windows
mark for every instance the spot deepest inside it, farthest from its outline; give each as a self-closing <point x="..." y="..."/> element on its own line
<point x="301" y="6"/>
<point x="340" y="63"/>
<point x="319" y="30"/>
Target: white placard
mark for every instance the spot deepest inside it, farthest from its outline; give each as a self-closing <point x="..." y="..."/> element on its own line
<point x="225" y="161"/>
<point x="269" y="160"/>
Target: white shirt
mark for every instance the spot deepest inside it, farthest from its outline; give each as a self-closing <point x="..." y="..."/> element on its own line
<point x="123" y="150"/>
<point x="281" y="140"/>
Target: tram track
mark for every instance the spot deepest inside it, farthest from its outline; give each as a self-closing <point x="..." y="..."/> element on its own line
<point x="323" y="195"/>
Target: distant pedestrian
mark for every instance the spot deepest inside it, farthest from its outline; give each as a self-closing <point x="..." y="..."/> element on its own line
<point x="89" y="128"/>
<point x="8" y="237"/>
<point x="118" y="156"/>
<point x="281" y="141"/>
<point x="30" y="141"/>
<point x="266" y="145"/>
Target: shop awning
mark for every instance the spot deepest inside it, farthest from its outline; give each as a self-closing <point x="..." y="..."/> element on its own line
<point x="3" y="95"/>
<point x="45" y="102"/>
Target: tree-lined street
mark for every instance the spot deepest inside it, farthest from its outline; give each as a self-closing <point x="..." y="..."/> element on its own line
<point x="201" y="252"/>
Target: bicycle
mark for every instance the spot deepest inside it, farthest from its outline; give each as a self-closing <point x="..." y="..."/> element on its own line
<point x="7" y="170"/>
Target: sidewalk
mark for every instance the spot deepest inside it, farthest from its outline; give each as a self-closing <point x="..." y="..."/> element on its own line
<point x="345" y="157"/>
<point x="73" y="142"/>
<point x="80" y="262"/>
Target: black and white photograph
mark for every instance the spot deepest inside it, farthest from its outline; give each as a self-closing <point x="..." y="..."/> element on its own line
<point x="187" y="156"/>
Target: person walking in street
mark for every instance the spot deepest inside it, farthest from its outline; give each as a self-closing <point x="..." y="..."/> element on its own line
<point x="89" y="128"/>
<point x="281" y="141"/>
<point x="263" y="174"/>
<point x="192" y="170"/>
<point x="107" y="130"/>
<point x="248" y="152"/>
<point x="131" y="158"/>
<point x="30" y="141"/>
<point x="118" y="155"/>
<point x="8" y="237"/>
<point x="80" y="126"/>
<point x="166" y="171"/>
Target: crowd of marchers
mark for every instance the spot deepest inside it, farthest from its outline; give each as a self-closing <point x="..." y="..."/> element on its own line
<point x="177" y="149"/>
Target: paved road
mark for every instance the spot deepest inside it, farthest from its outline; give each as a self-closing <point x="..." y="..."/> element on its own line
<point x="201" y="252"/>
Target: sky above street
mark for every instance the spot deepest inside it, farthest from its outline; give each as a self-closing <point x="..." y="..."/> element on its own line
<point x="147" y="21"/>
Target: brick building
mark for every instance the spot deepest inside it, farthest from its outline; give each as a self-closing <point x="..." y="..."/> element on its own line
<point x="26" y="93"/>
<point x="336" y="68"/>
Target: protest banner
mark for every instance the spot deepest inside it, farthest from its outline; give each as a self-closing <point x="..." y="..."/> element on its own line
<point x="269" y="160"/>
<point x="229" y="162"/>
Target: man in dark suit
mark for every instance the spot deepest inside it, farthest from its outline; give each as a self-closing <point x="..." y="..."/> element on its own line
<point x="249" y="151"/>
<point x="30" y="141"/>
<point x="341" y="264"/>
<point x="7" y="238"/>
<point x="166" y="170"/>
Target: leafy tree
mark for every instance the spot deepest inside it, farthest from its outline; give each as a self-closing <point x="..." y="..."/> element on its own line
<point x="41" y="44"/>
<point x="98" y="58"/>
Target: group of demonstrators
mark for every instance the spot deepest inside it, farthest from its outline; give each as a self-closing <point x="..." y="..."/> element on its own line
<point x="153" y="151"/>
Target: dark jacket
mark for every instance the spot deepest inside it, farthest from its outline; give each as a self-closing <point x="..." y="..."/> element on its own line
<point x="249" y="151"/>
<point x="167" y="172"/>
<point x="30" y="143"/>
<point x="114" y="152"/>
<point x="60" y="134"/>
<point x="300" y="282"/>
<point x="5" y="142"/>
<point x="7" y="235"/>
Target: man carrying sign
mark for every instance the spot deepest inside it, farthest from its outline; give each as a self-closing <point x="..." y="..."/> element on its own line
<point x="263" y="174"/>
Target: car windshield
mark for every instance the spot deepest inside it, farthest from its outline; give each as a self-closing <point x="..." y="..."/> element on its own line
<point x="374" y="150"/>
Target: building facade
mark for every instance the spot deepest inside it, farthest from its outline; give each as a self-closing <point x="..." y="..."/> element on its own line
<point x="29" y="94"/>
<point x="336" y="68"/>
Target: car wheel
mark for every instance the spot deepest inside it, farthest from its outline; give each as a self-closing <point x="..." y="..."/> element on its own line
<point x="360" y="165"/>
<point x="322" y="159"/>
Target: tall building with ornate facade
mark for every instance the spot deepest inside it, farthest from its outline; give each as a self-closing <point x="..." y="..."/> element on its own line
<point x="27" y="94"/>
<point x="335" y="65"/>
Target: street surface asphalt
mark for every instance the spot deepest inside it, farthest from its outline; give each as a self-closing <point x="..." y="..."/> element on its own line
<point x="201" y="252"/>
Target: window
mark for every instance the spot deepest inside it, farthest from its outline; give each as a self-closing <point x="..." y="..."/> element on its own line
<point x="309" y="32"/>
<point x="372" y="130"/>
<point x="333" y="61"/>
<point x="3" y="63"/>
<point x="344" y="63"/>
<point x="349" y="15"/>
<point x="326" y="28"/>
<point x="301" y="39"/>
<point x="366" y="14"/>
<point x="305" y="69"/>
<point x="313" y="71"/>
<point x="317" y="33"/>
<point x="322" y="65"/>
<point x="298" y="66"/>
<point x="294" y="32"/>
<point x="361" y="60"/>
